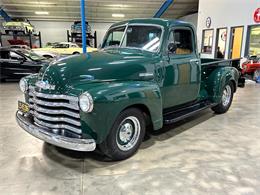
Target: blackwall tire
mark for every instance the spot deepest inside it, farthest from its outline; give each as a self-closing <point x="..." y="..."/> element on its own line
<point x="126" y="135"/>
<point x="226" y="99"/>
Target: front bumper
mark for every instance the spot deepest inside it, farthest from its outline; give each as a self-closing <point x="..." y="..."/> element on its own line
<point x="58" y="140"/>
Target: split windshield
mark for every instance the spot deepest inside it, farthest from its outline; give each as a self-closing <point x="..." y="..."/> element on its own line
<point x="136" y="36"/>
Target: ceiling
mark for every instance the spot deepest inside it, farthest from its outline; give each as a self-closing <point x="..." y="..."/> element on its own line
<point x="96" y="10"/>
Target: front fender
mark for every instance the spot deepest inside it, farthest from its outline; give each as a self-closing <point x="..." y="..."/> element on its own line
<point x="218" y="79"/>
<point x="111" y="98"/>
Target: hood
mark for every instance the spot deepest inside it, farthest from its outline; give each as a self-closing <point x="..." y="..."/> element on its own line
<point x="107" y="65"/>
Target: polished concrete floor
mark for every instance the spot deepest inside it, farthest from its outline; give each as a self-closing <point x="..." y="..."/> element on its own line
<point x="206" y="154"/>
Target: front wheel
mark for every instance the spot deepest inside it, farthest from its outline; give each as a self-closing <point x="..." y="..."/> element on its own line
<point x="126" y="135"/>
<point x="226" y="100"/>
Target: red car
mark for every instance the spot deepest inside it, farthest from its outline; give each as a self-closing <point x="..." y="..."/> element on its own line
<point x="251" y="66"/>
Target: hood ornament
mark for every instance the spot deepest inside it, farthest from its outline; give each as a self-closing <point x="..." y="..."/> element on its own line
<point x="45" y="85"/>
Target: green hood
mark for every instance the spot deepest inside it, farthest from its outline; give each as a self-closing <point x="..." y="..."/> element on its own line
<point x="101" y="66"/>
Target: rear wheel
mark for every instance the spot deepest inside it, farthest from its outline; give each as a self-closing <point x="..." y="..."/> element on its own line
<point x="226" y="99"/>
<point x="76" y="53"/>
<point x="126" y="135"/>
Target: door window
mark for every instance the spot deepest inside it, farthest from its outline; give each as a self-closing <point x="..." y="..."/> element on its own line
<point x="4" y="55"/>
<point x="207" y="41"/>
<point x="183" y="40"/>
<point x="15" y="56"/>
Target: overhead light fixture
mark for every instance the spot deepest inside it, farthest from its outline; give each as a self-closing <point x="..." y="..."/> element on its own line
<point x="118" y="15"/>
<point x="41" y="13"/>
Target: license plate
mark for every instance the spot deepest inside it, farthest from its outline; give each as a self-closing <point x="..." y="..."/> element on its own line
<point x="23" y="107"/>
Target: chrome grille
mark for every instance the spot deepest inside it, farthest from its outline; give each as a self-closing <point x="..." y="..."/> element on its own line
<point x="59" y="112"/>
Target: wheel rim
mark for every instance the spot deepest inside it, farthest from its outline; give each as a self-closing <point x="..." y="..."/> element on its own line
<point x="128" y="133"/>
<point x="226" y="97"/>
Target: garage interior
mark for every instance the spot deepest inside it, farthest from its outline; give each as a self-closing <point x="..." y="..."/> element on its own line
<point x="202" y="154"/>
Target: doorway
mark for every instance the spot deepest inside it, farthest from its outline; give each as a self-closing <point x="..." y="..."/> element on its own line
<point x="236" y="42"/>
<point x="221" y="39"/>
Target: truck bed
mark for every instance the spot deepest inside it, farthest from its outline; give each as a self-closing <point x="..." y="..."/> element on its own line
<point x="209" y="65"/>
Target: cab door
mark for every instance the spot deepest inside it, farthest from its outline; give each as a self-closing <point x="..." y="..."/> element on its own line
<point x="182" y="79"/>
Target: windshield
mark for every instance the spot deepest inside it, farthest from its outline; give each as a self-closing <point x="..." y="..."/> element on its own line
<point x="32" y="55"/>
<point x="61" y="45"/>
<point x="136" y="36"/>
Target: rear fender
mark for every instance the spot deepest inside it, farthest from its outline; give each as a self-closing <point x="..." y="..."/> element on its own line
<point x="218" y="79"/>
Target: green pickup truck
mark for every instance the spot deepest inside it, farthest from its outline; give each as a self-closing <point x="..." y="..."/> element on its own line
<point x="147" y="74"/>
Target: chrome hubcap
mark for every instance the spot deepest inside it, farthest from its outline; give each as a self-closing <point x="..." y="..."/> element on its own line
<point x="226" y="97"/>
<point x="128" y="133"/>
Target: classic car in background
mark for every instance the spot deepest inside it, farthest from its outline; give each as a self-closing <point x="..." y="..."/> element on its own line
<point x="17" y="63"/>
<point x="77" y="28"/>
<point x="251" y="67"/>
<point x="18" y="25"/>
<point x="65" y="48"/>
<point x="45" y="54"/>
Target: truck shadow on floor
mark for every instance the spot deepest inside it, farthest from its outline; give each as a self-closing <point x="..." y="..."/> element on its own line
<point x="94" y="160"/>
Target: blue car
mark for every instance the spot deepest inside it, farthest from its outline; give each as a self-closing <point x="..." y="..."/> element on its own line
<point x="76" y="27"/>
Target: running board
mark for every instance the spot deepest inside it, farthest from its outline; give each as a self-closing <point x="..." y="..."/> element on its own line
<point x="180" y="114"/>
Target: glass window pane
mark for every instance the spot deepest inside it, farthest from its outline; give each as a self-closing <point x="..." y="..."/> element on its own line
<point x="254" y="40"/>
<point x="207" y="41"/>
<point x="221" y="45"/>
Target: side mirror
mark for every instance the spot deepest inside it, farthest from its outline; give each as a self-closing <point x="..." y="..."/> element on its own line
<point x="172" y="47"/>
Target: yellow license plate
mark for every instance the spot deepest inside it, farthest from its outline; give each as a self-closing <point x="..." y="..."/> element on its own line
<point x="23" y="107"/>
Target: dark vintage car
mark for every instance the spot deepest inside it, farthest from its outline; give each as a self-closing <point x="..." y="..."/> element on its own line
<point x="17" y="63"/>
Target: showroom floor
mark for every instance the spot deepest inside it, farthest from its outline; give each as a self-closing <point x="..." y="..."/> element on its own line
<point x="207" y="154"/>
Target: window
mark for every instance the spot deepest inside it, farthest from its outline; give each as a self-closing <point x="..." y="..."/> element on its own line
<point x="61" y="45"/>
<point x="207" y="41"/>
<point x="221" y="43"/>
<point x="254" y="40"/>
<point x="4" y="55"/>
<point x="114" y="37"/>
<point x="183" y="40"/>
<point x="136" y="36"/>
<point x="15" y="56"/>
<point x="143" y="37"/>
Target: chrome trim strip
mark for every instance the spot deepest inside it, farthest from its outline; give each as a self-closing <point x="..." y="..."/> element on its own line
<point x="56" y="119"/>
<point x="53" y="96"/>
<point x="53" y="104"/>
<point x="58" y="126"/>
<point x="57" y="140"/>
<point x="49" y="111"/>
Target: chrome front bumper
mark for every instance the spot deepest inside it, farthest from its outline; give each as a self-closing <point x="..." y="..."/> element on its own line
<point x="57" y="140"/>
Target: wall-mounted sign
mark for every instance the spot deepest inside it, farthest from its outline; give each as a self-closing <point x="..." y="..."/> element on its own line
<point x="208" y="22"/>
<point x="257" y="15"/>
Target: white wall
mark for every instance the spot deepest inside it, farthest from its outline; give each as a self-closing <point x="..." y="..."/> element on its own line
<point x="56" y="31"/>
<point x="226" y="13"/>
<point x="192" y="18"/>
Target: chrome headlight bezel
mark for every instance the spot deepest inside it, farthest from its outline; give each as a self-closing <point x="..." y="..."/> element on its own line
<point x="23" y="84"/>
<point x="86" y="102"/>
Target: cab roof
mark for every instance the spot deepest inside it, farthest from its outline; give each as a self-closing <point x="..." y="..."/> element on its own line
<point x="156" y="21"/>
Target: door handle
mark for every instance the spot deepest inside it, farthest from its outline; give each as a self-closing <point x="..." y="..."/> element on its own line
<point x="195" y="61"/>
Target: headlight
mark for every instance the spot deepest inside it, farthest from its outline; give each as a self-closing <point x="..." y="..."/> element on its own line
<point x="86" y="102"/>
<point x="23" y="85"/>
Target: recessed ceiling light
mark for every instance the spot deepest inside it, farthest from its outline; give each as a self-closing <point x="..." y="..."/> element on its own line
<point x="40" y="3"/>
<point x="118" y="15"/>
<point x="41" y="13"/>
